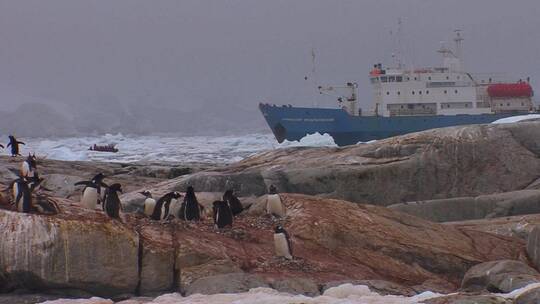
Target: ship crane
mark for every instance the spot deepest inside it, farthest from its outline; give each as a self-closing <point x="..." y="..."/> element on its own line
<point x="346" y="96"/>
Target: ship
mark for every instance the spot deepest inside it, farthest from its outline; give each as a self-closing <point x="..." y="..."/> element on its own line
<point x="405" y="100"/>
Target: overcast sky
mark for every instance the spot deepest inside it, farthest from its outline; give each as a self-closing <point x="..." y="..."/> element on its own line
<point x="188" y="54"/>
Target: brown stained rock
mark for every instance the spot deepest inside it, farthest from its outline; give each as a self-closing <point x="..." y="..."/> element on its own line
<point x="332" y="240"/>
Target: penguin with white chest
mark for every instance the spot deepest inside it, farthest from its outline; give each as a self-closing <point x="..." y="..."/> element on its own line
<point x="223" y="215"/>
<point x="112" y="204"/>
<point x="162" y="210"/>
<point x="282" y="243"/>
<point x="14" y="144"/>
<point x="93" y="193"/>
<point x="29" y="166"/>
<point x="22" y="195"/>
<point x="149" y="203"/>
<point x="274" y="205"/>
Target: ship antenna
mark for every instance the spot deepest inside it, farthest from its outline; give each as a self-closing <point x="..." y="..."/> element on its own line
<point x="458" y="39"/>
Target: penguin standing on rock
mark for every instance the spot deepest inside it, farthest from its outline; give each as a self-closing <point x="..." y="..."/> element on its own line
<point x="223" y="216"/>
<point x="14" y="143"/>
<point x="274" y="206"/>
<point x="162" y="210"/>
<point x="233" y="201"/>
<point x="92" y="193"/>
<point x="29" y="166"/>
<point x="112" y="204"/>
<point x="191" y="209"/>
<point x="149" y="203"/>
<point x="282" y="243"/>
<point x="22" y="195"/>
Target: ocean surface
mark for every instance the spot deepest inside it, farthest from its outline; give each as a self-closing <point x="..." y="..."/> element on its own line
<point x="207" y="149"/>
<point x="132" y="148"/>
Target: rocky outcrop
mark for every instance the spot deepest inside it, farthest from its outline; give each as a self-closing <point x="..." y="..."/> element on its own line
<point x="533" y="246"/>
<point x="470" y="208"/>
<point x="226" y="283"/>
<point x="529" y="297"/>
<point x="85" y="250"/>
<point x="469" y="299"/>
<point x="512" y="226"/>
<point x="463" y="161"/>
<point x="499" y="276"/>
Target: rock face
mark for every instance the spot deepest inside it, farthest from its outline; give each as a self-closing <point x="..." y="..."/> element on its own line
<point x="469" y="299"/>
<point x="464" y="161"/>
<point x="470" y="208"/>
<point x="533" y="246"/>
<point x="529" y="297"/>
<point x="85" y="250"/>
<point x="513" y="226"/>
<point x="226" y="283"/>
<point x="499" y="276"/>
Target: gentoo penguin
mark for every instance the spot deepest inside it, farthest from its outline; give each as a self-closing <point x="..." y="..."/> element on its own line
<point x="112" y="204"/>
<point x="223" y="215"/>
<point x="14" y="143"/>
<point x="162" y="210"/>
<point x="92" y="193"/>
<point x="191" y="209"/>
<point x="22" y="195"/>
<point x="233" y="201"/>
<point x="274" y="205"/>
<point x="29" y="166"/>
<point x="282" y="243"/>
<point x="32" y="184"/>
<point x="149" y="203"/>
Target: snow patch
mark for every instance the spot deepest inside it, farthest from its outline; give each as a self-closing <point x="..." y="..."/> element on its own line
<point x="311" y="140"/>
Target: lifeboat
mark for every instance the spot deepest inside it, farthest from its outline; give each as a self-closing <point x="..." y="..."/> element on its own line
<point x="505" y="90"/>
<point x="104" y="148"/>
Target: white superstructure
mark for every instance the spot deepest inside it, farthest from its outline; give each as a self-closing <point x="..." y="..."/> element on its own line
<point x="445" y="90"/>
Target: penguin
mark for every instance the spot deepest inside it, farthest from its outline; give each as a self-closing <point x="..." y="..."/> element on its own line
<point x="223" y="215"/>
<point x="282" y="243"/>
<point x="233" y="201"/>
<point x="149" y="203"/>
<point x="92" y="193"/>
<point x="191" y="209"/>
<point x="274" y="205"/>
<point x="29" y="166"/>
<point x="162" y="210"/>
<point x="112" y="204"/>
<point x="14" y="143"/>
<point x="22" y="195"/>
<point x="33" y="184"/>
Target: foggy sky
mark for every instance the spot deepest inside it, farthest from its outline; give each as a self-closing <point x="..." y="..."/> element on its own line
<point x="206" y="57"/>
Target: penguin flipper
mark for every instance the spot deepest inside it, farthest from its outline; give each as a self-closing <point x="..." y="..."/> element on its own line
<point x="21" y="143"/>
<point x="2" y="146"/>
<point x="104" y="185"/>
<point x="9" y="144"/>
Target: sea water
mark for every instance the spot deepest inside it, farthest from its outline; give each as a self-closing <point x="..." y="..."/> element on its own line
<point x="162" y="148"/>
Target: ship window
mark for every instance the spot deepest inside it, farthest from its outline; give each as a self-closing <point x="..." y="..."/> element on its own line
<point x="413" y="92"/>
<point x="455" y="91"/>
<point x="402" y="106"/>
<point x="522" y="104"/>
<point x="399" y="78"/>
<point x="408" y="78"/>
<point x="387" y="93"/>
<point x="501" y="104"/>
<point x="400" y="94"/>
<point x="391" y="78"/>
<point x="508" y="104"/>
<point x="383" y="79"/>
<point x="445" y="92"/>
<point x="429" y="78"/>
<point x="447" y="77"/>
<point x="466" y="105"/>
<point x="420" y="92"/>
<point x="427" y="92"/>
<point x="415" y="78"/>
<point x="458" y="78"/>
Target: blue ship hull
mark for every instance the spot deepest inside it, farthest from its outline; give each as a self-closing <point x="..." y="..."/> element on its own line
<point x="293" y="123"/>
